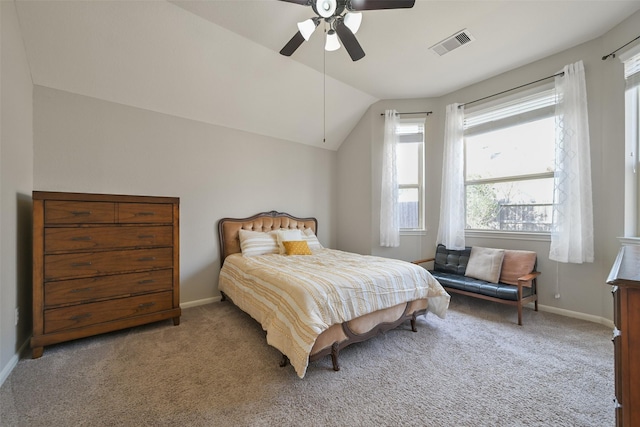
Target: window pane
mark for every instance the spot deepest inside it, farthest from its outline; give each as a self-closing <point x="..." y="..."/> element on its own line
<point x="514" y="151"/>
<point x="513" y="206"/>
<point x="409" y="208"/>
<point x="408" y="162"/>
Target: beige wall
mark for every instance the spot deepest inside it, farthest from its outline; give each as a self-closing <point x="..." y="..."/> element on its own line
<point x="582" y="289"/>
<point x="16" y="172"/>
<point x="83" y="144"/>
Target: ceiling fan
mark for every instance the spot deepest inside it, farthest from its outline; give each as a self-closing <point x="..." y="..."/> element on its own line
<point x="343" y="17"/>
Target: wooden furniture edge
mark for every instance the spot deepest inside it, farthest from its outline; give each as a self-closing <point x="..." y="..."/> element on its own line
<point x="98" y="197"/>
<point x="354" y="337"/>
<point x="40" y="341"/>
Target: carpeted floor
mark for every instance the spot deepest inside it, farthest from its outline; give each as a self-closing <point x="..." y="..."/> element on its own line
<point x="477" y="367"/>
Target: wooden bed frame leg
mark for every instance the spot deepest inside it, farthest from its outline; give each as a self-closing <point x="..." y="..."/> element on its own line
<point x="285" y="361"/>
<point x="335" y="348"/>
<point x="223" y="296"/>
<point x="413" y="322"/>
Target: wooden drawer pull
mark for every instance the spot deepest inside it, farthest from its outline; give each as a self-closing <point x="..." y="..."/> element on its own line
<point x="147" y="236"/>
<point x="147" y="258"/>
<point x="81" y="316"/>
<point x="146" y="213"/>
<point x="143" y="282"/>
<point x="75" y="291"/>
<point x="80" y="264"/>
<point x="81" y="238"/>
<point x="80" y="213"/>
<point x="146" y="305"/>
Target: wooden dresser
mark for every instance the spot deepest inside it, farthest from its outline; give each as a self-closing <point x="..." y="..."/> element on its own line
<point x="625" y="278"/>
<point x="102" y="263"/>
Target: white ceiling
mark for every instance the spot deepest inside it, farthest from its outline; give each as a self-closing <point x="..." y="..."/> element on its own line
<point x="217" y="61"/>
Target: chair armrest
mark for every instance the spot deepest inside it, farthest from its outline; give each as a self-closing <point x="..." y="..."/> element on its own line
<point x="422" y="261"/>
<point x="528" y="278"/>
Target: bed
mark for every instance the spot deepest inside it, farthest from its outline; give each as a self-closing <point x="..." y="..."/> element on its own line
<point x="314" y="305"/>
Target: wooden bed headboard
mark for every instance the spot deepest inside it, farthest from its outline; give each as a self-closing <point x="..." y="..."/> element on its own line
<point x="229" y="228"/>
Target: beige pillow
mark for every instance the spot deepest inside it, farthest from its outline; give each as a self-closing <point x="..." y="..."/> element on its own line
<point x="285" y="235"/>
<point x="311" y="239"/>
<point x="254" y="243"/>
<point x="485" y="264"/>
<point x="516" y="264"/>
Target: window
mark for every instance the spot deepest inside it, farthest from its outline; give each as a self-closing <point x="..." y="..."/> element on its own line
<point x="631" y="61"/>
<point x="410" y="169"/>
<point x="509" y="164"/>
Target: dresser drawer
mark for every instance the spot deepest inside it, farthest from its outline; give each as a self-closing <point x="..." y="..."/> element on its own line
<point x="106" y="237"/>
<point x="68" y="292"/>
<point x="77" y="316"/>
<point x="67" y="212"/>
<point x="68" y="266"/>
<point x="157" y="213"/>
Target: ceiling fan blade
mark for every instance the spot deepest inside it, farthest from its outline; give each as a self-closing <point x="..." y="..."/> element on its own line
<point x="349" y="41"/>
<point x="293" y="44"/>
<point x="302" y="2"/>
<point x="358" y="5"/>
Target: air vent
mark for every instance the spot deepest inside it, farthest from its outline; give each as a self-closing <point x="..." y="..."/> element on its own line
<point x="450" y="43"/>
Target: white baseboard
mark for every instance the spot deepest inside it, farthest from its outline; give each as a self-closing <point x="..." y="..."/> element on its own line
<point x="575" y="315"/>
<point x="200" y="302"/>
<point x="6" y="371"/>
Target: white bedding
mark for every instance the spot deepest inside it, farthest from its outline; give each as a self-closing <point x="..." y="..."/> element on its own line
<point x="296" y="298"/>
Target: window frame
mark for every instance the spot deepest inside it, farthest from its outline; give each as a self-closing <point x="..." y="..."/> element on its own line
<point x="420" y="185"/>
<point x="517" y="109"/>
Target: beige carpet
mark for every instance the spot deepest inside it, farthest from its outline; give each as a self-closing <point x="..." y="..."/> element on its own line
<point x="475" y="368"/>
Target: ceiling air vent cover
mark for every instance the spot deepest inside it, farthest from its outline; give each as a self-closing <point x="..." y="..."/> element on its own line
<point x="450" y="43"/>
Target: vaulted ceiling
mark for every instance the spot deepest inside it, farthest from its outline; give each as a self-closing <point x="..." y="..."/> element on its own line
<point x="217" y="61"/>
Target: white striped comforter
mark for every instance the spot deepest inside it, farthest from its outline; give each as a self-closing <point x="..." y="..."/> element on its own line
<point x="296" y="298"/>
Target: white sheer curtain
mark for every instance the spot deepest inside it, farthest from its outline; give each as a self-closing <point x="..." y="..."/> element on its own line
<point x="631" y="61"/>
<point x="389" y="212"/>
<point x="452" y="205"/>
<point x="572" y="235"/>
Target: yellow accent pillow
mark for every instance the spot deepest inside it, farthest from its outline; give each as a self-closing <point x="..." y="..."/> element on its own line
<point x="297" y="247"/>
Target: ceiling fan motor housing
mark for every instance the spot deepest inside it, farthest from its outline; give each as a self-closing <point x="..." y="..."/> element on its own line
<point x="325" y="8"/>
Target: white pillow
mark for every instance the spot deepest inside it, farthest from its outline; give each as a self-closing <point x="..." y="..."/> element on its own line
<point x="485" y="264"/>
<point x="286" y="235"/>
<point x="311" y="239"/>
<point x="258" y="243"/>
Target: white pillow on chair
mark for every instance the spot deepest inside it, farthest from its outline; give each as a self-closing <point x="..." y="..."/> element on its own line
<point x="485" y="264"/>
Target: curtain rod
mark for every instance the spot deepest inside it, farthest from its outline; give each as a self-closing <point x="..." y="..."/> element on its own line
<point x="613" y="54"/>
<point x="561" y="73"/>
<point x="415" y="112"/>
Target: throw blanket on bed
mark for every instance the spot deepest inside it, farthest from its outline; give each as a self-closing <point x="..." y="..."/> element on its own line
<point x="295" y="298"/>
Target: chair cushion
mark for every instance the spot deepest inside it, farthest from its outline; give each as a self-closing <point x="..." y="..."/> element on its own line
<point x="469" y="284"/>
<point x="450" y="260"/>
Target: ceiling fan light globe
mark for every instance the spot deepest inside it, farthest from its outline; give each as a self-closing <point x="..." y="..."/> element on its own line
<point x="307" y="28"/>
<point x="332" y="42"/>
<point x="325" y="8"/>
<point x="353" y="20"/>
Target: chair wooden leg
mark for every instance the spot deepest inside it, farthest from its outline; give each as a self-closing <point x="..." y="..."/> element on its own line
<point x="520" y="313"/>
